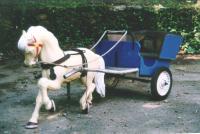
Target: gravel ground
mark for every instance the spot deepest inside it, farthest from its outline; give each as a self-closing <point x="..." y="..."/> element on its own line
<point x="126" y="109"/>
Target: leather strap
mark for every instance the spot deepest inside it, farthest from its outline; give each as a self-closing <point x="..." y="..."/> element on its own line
<point x="84" y="60"/>
<point x="61" y="60"/>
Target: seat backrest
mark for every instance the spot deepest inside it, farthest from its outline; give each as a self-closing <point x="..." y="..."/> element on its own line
<point x="171" y="46"/>
<point x="152" y="43"/>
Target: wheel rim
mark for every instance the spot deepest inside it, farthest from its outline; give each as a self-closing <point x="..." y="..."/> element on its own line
<point x="163" y="83"/>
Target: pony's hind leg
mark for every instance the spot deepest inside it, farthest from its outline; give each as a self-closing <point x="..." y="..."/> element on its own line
<point x="86" y="99"/>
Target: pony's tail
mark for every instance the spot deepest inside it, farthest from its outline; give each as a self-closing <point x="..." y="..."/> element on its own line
<point x="99" y="79"/>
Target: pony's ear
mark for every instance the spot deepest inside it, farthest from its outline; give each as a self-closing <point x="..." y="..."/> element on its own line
<point x="23" y="32"/>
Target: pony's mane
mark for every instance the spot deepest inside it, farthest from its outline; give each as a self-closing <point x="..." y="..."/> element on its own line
<point x="35" y="33"/>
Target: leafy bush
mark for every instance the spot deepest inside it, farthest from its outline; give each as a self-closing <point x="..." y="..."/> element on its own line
<point x="83" y="25"/>
<point x="184" y="22"/>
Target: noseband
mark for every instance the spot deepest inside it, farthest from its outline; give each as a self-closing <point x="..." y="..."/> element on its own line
<point x="37" y="47"/>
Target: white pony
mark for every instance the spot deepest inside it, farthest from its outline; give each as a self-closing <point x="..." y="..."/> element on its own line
<point x="40" y="43"/>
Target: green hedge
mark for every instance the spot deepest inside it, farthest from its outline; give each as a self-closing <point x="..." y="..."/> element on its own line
<point x="185" y="22"/>
<point x="82" y="26"/>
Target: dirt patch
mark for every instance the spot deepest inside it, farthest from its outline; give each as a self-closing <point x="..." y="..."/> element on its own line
<point x="185" y="59"/>
<point x="126" y="109"/>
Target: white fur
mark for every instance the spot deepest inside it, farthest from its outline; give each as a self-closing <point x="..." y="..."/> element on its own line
<point x="51" y="52"/>
<point x="99" y="79"/>
<point x="22" y="41"/>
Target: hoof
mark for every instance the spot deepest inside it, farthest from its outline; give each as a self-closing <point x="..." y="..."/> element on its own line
<point x="86" y="110"/>
<point x="53" y="107"/>
<point x="31" y="125"/>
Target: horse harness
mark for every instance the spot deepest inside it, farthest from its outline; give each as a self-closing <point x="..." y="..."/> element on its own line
<point x="61" y="60"/>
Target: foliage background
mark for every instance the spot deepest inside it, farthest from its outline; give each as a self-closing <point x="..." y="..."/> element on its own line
<point x="81" y="22"/>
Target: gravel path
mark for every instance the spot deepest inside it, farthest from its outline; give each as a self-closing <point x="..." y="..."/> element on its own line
<point x="126" y="109"/>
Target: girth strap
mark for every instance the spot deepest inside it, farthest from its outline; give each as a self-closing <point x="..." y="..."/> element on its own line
<point x="84" y="60"/>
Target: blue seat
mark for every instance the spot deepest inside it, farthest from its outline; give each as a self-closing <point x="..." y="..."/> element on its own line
<point x="125" y="54"/>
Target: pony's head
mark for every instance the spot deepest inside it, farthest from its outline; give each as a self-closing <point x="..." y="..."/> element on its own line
<point x="31" y="47"/>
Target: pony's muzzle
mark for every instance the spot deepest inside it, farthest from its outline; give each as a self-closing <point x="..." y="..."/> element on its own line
<point x="29" y="65"/>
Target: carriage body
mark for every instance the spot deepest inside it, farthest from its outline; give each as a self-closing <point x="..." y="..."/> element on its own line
<point x="149" y="51"/>
<point x="154" y="50"/>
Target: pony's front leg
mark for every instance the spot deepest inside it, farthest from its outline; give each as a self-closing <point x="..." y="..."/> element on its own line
<point x="43" y="98"/>
<point x="33" y="121"/>
<point x="44" y="85"/>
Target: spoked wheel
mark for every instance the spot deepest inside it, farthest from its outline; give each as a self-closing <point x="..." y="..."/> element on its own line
<point x="111" y="81"/>
<point x="161" y="84"/>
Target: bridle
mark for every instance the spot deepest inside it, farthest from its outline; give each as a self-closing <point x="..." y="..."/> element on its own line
<point x="37" y="46"/>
